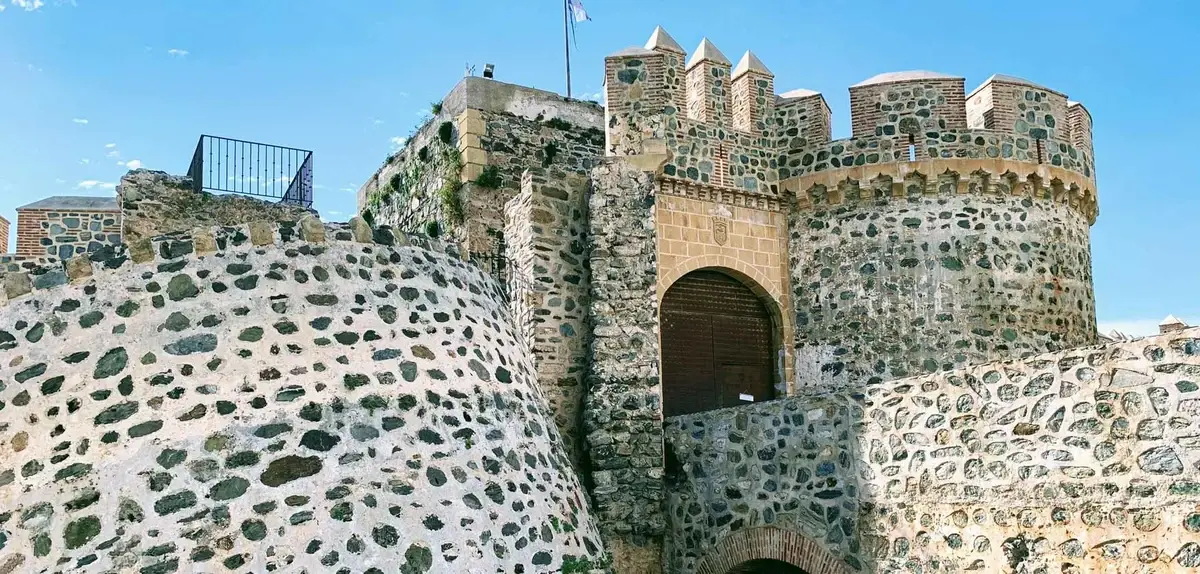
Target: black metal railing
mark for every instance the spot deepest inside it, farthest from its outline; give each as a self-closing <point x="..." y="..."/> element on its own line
<point x="225" y="165"/>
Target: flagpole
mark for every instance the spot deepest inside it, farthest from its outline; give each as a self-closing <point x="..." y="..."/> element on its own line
<point x="567" y="44"/>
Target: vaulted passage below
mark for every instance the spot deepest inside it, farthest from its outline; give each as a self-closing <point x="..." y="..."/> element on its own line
<point x="716" y="345"/>
<point x="766" y="567"/>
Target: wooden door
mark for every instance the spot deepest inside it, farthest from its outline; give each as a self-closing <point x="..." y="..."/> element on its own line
<point x="716" y="345"/>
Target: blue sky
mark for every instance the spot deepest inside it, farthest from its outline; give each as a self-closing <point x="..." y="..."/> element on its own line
<point x="89" y="87"/>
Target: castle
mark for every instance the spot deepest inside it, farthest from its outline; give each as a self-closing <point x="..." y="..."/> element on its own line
<point x="686" y="331"/>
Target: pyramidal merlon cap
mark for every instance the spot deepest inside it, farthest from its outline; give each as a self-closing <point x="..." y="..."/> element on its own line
<point x="750" y="63"/>
<point x="707" y="51"/>
<point x="661" y="40"/>
<point x="1171" y="320"/>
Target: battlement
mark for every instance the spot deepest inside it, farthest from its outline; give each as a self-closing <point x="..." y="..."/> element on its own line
<point x="722" y="125"/>
<point x="919" y="115"/>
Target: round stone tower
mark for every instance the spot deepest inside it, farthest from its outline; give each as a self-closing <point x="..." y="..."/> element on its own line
<point x="950" y="229"/>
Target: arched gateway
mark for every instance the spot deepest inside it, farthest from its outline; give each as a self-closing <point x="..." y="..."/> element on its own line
<point x="717" y="341"/>
<point x="769" y="550"/>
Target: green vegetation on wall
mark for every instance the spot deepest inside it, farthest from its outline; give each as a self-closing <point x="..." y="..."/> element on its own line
<point x="490" y="178"/>
<point x="434" y="173"/>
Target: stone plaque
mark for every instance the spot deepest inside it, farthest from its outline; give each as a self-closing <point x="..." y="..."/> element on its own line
<point x="720" y="224"/>
<point x="720" y="230"/>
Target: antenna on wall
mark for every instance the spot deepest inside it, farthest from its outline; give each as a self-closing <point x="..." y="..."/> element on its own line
<point x="470" y="70"/>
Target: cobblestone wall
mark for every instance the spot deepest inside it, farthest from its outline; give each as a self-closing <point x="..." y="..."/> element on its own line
<point x="65" y="233"/>
<point x="277" y="397"/>
<point x="407" y="192"/>
<point x="1081" y="461"/>
<point x="888" y="286"/>
<point x="623" y="408"/>
<point x="547" y="225"/>
<point x="897" y="105"/>
<point x="155" y="203"/>
<point x="1078" y="461"/>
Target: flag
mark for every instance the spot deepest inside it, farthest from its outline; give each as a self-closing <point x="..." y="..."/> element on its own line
<point x="577" y="10"/>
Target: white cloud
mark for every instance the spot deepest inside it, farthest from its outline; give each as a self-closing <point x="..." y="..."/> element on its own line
<point x="81" y="121"/>
<point x="398" y="141"/>
<point x="403" y="94"/>
<point x="114" y="153"/>
<point x="1136" y="327"/>
<point x="349" y="189"/>
<point x="131" y="164"/>
<point x="31" y="67"/>
<point x="110" y="145"/>
<point x="85" y="161"/>
<point x="318" y="186"/>
<point x="60" y="181"/>
<point x="336" y="213"/>
<point x="91" y="183"/>
<point x="1" y="7"/>
<point x="377" y="121"/>
<point x="177" y="52"/>
<point x="28" y="5"/>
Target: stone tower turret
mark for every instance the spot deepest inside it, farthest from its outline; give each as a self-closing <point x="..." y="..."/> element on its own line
<point x="708" y="92"/>
<point x="922" y="244"/>
<point x="753" y="92"/>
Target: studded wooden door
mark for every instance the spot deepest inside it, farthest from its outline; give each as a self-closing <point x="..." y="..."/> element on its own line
<point x="716" y="345"/>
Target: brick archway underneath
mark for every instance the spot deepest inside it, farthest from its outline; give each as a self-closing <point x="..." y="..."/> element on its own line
<point x="770" y="543"/>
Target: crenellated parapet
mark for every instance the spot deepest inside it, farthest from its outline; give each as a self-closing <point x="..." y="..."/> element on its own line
<point x="1014" y="136"/>
<point x="753" y="93"/>
<point x="708" y="124"/>
<point x="705" y="121"/>
<point x="901" y="106"/>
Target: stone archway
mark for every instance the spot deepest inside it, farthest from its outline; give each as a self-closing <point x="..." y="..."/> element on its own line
<point x="760" y="545"/>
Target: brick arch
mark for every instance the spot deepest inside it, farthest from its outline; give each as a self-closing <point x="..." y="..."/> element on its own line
<point x="747" y="274"/>
<point x="773" y="544"/>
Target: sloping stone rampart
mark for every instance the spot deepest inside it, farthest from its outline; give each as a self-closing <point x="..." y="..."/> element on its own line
<point x="277" y="397"/>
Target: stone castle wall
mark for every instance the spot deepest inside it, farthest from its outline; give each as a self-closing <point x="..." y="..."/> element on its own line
<point x="499" y="127"/>
<point x="623" y="408"/>
<point x="1078" y="461"/>
<point x="938" y="202"/>
<point x="4" y="226"/>
<point x="405" y="193"/>
<point x="932" y="281"/>
<point x="277" y="396"/>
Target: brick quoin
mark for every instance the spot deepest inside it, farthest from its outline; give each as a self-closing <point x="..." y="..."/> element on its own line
<point x="769" y="543"/>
